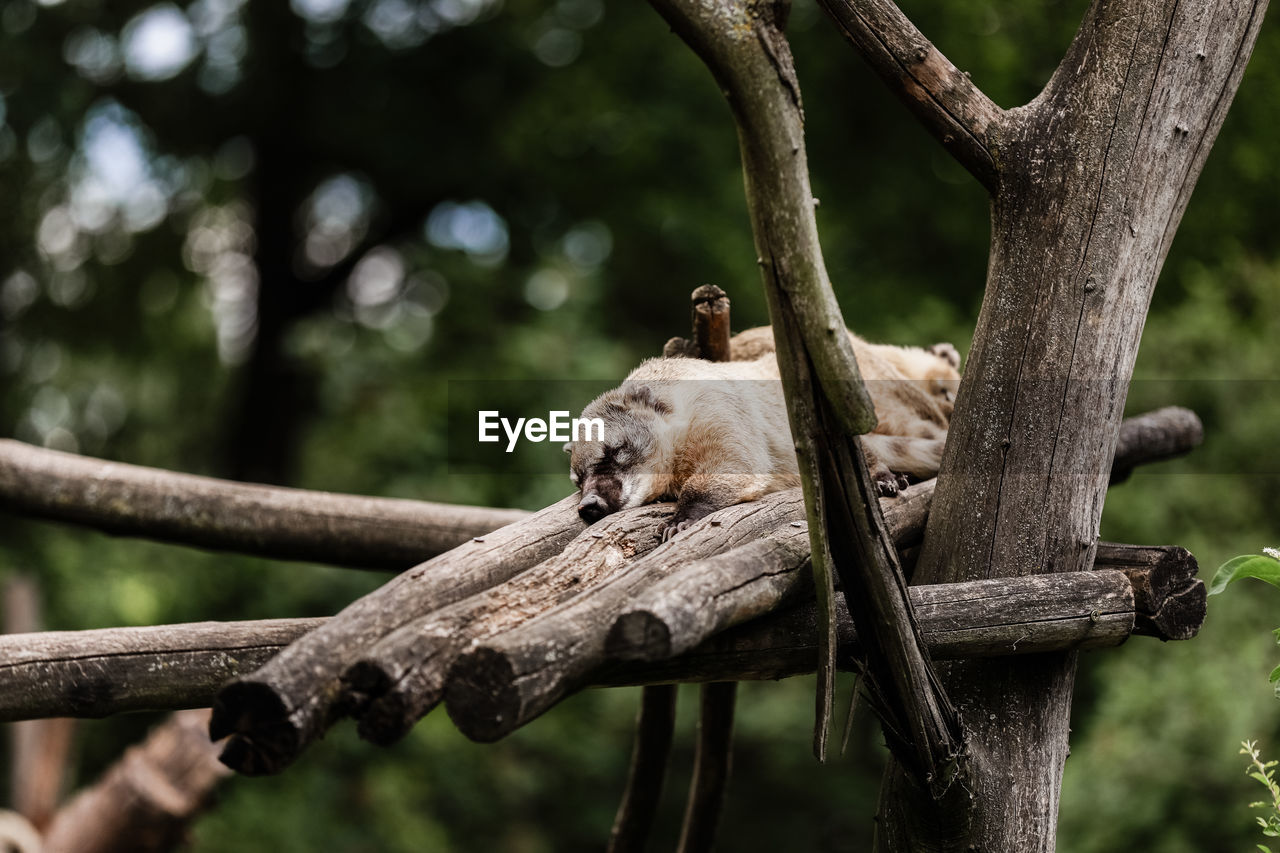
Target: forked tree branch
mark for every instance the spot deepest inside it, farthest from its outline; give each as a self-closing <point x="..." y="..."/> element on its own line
<point x="951" y="107"/>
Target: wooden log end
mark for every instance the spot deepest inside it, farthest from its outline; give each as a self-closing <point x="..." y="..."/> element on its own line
<point x="1180" y="615"/>
<point x="481" y="696"/>
<point x="363" y="682"/>
<point x="639" y="635"/>
<point x="386" y="720"/>
<point x="1169" y="600"/>
<point x="253" y="717"/>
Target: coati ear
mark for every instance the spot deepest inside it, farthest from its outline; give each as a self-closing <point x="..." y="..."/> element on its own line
<point x="642" y="395"/>
<point x="947" y="353"/>
<point x="568" y="447"/>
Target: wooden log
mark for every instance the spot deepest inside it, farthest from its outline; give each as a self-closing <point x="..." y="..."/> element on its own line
<point x="711" y="322"/>
<point x="145" y="802"/>
<point x="273" y="714"/>
<point x="655" y="726"/>
<point x="110" y="670"/>
<point x="678" y="613"/>
<point x="167" y="667"/>
<point x="976" y="619"/>
<point x="405" y="675"/>
<point x="290" y="524"/>
<point x="401" y="677"/>
<point x="712" y="762"/>
<point x="1152" y="436"/>
<point x="1170" y="599"/>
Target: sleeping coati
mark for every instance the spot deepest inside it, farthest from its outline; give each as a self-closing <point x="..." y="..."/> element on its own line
<point x="713" y="434"/>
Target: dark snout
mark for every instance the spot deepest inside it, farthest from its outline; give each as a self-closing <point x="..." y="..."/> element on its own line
<point x="593" y="508"/>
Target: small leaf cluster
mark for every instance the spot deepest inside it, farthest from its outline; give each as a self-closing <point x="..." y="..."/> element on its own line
<point x="1265" y="773"/>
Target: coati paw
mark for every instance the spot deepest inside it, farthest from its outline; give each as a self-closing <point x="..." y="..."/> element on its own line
<point x="886" y="483"/>
<point x="671" y="528"/>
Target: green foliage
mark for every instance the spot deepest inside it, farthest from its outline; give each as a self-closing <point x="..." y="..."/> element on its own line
<point x="1264" y="567"/>
<point x="1265" y="773"/>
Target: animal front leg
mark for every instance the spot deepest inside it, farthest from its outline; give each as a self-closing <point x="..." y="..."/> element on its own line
<point x="699" y="497"/>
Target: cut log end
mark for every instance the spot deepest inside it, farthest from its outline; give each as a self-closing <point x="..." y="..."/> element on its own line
<point x="481" y="697"/>
<point x="639" y="635"/>
<point x="386" y="720"/>
<point x="261" y="738"/>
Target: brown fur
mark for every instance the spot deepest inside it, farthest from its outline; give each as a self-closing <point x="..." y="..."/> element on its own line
<point x="714" y="434"/>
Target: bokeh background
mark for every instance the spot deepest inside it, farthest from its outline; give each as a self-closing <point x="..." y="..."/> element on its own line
<point x="258" y="241"/>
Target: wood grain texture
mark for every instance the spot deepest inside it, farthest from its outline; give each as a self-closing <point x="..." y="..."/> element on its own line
<point x="397" y="680"/>
<point x="1095" y="174"/>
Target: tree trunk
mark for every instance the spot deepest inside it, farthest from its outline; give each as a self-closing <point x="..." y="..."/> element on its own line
<point x="1094" y="177"/>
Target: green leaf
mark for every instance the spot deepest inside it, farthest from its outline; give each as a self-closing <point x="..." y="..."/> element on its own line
<point x="1246" y="566"/>
<point x="1264" y="848"/>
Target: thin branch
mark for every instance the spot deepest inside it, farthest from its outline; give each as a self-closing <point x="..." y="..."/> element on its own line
<point x="655" y="726"/>
<point x="711" y="765"/>
<point x="291" y="524"/>
<point x="951" y="107"/>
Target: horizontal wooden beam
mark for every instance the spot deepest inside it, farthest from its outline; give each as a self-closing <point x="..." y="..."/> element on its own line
<point x="291" y="524"/>
<point x="165" y="667"/>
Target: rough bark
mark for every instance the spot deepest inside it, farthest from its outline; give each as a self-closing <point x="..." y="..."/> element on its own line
<point x="348" y="530"/>
<point x="742" y="44"/>
<point x="1094" y="176"/>
<point x="1150" y="437"/>
<point x="400" y="678"/>
<point x="513" y="678"/>
<point x="956" y="112"/>
<point x="273" y="714"/>
<point x="167" y="667"/>
<point x="655" y="726"/>
<point x="146" y="800"/>
<point x="110" y="670"/>
<point x="572" y="636"/>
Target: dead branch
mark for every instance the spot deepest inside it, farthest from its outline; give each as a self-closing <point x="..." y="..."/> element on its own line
<point x="268" y="521"/>
<point x="414" y="681"/>
<point x="743" y="45"/>
<point x="951" y="107"/>
<point x="145" y="801"/>
<point x="1153" y="436"/>
<point x="110" y="670"/>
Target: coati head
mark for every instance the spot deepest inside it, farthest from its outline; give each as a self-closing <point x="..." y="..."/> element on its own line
<point x="623" y="470"/>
